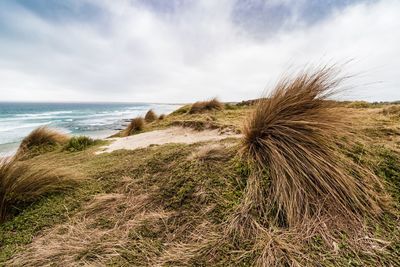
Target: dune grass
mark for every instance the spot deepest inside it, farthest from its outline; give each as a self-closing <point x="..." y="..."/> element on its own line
<point x="21" y="183"/>
<point x="136" y="125"/>
<point x="150" y="116"/>
<point x="42" y="139"/>
<point x="161" y="117"/>
<point x="204" y="106"/>
<point x="206" y="205"/>
<point x="293" y="136"/>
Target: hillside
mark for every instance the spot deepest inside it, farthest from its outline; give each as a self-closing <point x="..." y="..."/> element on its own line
<point x="172" y="204"/>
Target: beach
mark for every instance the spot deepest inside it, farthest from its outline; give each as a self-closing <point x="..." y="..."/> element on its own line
<point x="97" y="120"/>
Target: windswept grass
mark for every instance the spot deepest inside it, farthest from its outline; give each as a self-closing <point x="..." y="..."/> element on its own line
<point x="161" y="117"/>
<point x="21" y="183"/>
<point x="292" y="140"/>
<point x="300" y="193"/>
<point x="136" y="125"/>
<point x="150" y="116"/>
<point x="41" y="140"/>
<point x="204" y="106"/>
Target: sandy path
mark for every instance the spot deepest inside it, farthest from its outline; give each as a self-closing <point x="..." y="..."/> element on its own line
<point x="159" y="137"/>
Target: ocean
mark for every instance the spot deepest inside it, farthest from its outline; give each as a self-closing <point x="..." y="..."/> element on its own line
<point x="97" y="120"/>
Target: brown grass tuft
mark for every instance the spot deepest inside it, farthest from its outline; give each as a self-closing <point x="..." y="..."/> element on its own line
<point x="22" y="183"/>
<point x="41" y="137"/>
<point x="161" y="117"/>
<point x="393" y="111"/>
<point x="150" y="116"/>
<point x="292" y="141"/>
<point x="203" y="106"/>
<point x="136" y="125"/>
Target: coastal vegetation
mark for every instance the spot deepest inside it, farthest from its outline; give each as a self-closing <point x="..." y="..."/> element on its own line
<point x="79" y="143"/>
<point x="150" y="116"/>
<point x="22" y="183"/>
<point x="136" y="125"/>
<point x="40" y="140"/>
<point x="309" y="182"/>
<point x="204" y="106"/>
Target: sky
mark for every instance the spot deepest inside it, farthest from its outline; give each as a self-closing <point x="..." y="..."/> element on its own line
<point x="186" y="50"/>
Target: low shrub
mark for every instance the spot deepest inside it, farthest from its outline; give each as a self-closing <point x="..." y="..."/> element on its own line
<point x="79" y="143"/>
<point x="360" y="104"/>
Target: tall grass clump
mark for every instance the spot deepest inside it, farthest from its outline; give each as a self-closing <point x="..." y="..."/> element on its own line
<point x="393" y="111"/>
<point x="204" y="106"/>
<point x="40" y="140"/>
<point x="21" y="183"/>
<point x="292" y="142"/>
<point x="79" y="143"/>
<point x="136" y="125"/>
<point x="150" y="116"/>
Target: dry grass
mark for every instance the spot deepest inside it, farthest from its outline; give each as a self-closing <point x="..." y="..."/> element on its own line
<point x="204" y="106"/>
<point x="393" y="111"/>
<point x="136" y="125"/>
<point x="41" y="137"/>
<point x="150" y="116"/>
<point x="161" y="117"/>
<point x="291" y="139"/>
<point x="22" y="183"/>
<point x="102" y="231"/>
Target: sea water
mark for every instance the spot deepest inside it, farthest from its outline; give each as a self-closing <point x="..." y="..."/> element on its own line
<point x="97" y="120"/>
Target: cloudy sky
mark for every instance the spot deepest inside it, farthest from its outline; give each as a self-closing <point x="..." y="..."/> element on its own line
<point x="186" y="50"/>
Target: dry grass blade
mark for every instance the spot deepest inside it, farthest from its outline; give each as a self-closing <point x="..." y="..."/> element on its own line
<point x="292" y="135"/>
<point x="21" y="183"/>
<point x="203" y="106"/>
<point x="150" y="116"/>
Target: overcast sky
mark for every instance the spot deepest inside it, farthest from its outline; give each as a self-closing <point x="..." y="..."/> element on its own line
<point x="187" y="50"/>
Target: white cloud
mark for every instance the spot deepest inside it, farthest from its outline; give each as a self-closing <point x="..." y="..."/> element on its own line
<point x="137" y="54"/>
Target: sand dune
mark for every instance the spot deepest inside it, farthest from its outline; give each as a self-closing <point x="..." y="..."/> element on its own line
<point x="159" y="137"/>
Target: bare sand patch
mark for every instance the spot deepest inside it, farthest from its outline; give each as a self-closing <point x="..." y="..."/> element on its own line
<point x="160" y="137"/>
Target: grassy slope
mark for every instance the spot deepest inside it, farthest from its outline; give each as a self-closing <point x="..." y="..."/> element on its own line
<point x="189" y="190"/>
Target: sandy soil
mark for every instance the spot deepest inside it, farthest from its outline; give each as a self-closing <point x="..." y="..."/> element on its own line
<point x="159" y="137"/>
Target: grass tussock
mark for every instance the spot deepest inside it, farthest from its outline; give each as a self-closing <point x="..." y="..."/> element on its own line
<point x="79" y="143"/>
<point x="291" y="139"/>
<point x="40" y="140"/>
<point x="150" y="116"/>
<point x="135" y="126"/>
<point x="21" y="183"/>
<point x="392" y="111"/>
<point x="204" y="106"/>
<point x="161" y="117"/>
